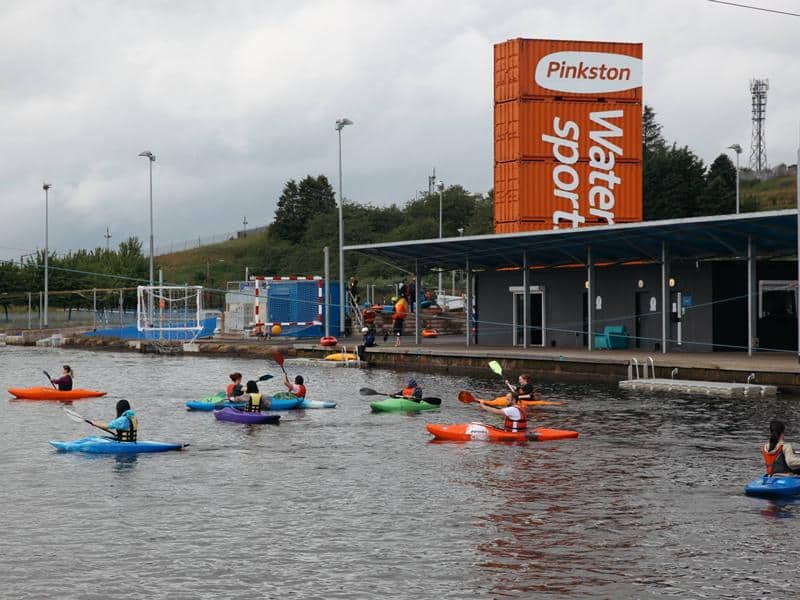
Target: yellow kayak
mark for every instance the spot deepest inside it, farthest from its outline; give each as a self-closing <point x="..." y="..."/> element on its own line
<point x="341" y="356"/>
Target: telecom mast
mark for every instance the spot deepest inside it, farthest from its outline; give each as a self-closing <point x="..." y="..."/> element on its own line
<point x="758" y="146"/>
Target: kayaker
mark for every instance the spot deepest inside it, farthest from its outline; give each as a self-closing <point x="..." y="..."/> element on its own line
<point x="125" y="425"/>
<point x="779" y="455"/>
<point x="255" y="400"/>
<point x="234" y="388"/>
<point x="515" y="417"/>
<point x="297" y="389"/>
<point x="524" y="389"/>
<point x="64" y="382"/>
<point x="412" y="390"/>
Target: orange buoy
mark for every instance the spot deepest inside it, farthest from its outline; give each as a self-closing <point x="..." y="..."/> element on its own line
<point x="276" y="329"/>
<point x="430" y="333"/>
<point x="328" y="341"/>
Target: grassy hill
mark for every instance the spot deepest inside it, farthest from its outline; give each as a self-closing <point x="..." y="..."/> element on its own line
<point x="771" y="194"/>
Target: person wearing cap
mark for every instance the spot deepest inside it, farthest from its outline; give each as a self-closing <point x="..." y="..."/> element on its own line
<point x="412" y="390"/>
<point x="368" y="340"/>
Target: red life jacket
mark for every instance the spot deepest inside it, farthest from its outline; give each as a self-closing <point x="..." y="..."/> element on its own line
<point x="408" y="392"/>
<point x="521" y="424"/>
<point x="771" y="457"/>
<point x="301" y="391"/>
<point x="229" y="389"/>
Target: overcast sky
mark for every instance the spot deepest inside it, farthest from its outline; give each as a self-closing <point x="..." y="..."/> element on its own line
<point x="234" y="98"/>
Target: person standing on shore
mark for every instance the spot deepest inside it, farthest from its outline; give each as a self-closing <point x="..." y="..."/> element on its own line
<point x="398" y="318"/>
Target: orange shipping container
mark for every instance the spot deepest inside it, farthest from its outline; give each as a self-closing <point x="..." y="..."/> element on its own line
<point x="567" y="69"/>
<point x="535" y="129"/>
<point x="520" y="226"/>
<point x="567" y="195"/>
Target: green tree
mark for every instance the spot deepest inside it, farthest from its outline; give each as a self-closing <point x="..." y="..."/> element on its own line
<point x="298" y="203"/>
<point x="719" y="194"/>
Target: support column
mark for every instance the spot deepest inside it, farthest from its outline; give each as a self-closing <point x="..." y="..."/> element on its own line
<point x="417" y="307"/>
<point x="590" y="300"/>
<point x="29" y="310"/>
<point x="468" y="302"/>
<point x="327" y="267"/>
<point x="525" y="299"/>
<point x="94" y="308"/>
<point x="40" y="309"/>
<point x="751" y="292"/>
<point x="664" y="297"/>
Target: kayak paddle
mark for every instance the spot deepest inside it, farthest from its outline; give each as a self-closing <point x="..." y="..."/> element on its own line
<point x="50" y="379"/>
<point x="279" y="359"/>
<point x="76" y="417"/>
<point x="466" y="397"/>
<point x="498" y="370"/>
<point x="371" y="392"/>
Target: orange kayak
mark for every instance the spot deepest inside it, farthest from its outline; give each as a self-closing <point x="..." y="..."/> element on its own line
<point x="465" y="432"/>
<point x="502" y="401"/>
<point x="48" y="393"/>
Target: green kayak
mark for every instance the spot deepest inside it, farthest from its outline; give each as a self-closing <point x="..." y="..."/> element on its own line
<point x="400" y="405"/>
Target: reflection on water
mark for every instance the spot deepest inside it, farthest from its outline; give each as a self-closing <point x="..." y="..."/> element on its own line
<point x="647" y="503"/>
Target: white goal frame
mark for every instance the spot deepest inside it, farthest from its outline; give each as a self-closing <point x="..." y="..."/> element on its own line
<point x="169" y="308"/>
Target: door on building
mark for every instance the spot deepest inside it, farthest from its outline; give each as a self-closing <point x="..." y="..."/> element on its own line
<point x="536" y="321"/>
<point x="647" y="327"/>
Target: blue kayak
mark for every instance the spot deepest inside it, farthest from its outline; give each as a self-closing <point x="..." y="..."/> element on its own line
<point x="773" y="487"/>
<point x="209" y="406"/>
<point x="95" y="444"/>
<point x="305" y="403"/>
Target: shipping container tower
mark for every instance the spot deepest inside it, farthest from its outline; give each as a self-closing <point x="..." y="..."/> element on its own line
<point x="567" y="134"/>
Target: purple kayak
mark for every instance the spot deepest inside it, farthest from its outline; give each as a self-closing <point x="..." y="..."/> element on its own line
<point x="239" y="416"/>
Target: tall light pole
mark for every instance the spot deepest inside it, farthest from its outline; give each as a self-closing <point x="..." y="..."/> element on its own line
<point x="738" y="149"/>
<point x="440" y="187"/>
<point x="150" y="160"/>
<point x="341" y="124"/>
<point x="46" y="187"/>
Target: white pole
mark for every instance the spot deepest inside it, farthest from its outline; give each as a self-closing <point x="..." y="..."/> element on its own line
<point x="327" y="252"/>
<point x="737" y="181"/>
<point x="589" y="300"/>
<point x="525" y="299"/>
<point x="150" y="163"/>
<point x="441" y="194"/>
<point x="29" y="310"/>
<point x="340" y="124"/>
<point x="46" y="187"/>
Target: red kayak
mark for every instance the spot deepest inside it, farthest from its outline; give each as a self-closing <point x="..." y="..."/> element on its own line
<point x="465" y="432"/>
<point x="48" y="393"/>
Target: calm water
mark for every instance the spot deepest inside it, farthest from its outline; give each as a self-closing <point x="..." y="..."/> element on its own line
<point x="342" y="503"/>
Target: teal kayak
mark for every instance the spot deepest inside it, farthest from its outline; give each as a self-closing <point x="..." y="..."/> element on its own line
<point x="303" y="402"/>
<point x="105" y="445"/>
<point x="400" y="405"/>
<point x="212" y="403"/>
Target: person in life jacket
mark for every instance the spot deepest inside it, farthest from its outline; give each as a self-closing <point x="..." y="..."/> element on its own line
<point x="398" y="317"/>
<point x="412" y="390"/>
<point x="125" y="426"/>
<point x="779" y="456"/>
<point x="234" y="388"/>
<point x="297" y="389"/>
<point x="515" y="417"/>
<point x="255" y="400"/>
<point x="64" y="382"/>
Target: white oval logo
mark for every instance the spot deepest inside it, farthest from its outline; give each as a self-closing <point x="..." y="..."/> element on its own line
<point x="588" y="72"/>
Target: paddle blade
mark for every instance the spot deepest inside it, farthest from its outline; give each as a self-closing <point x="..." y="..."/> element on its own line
<point x="369" y="392"/>
<point x="74" y="416"/>
<point x="265" y="378"/>
<point x="50" y="379"/>
<point x="496" y="368"/>
<point x="434" y="401"/>
<point x="278" y="358"/>
<point x="466" y="397"/>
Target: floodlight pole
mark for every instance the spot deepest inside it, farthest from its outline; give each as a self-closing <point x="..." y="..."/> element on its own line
<point x="340" y="124"/>
<point x="738" y="149"/>
<point x="46" y="187"/>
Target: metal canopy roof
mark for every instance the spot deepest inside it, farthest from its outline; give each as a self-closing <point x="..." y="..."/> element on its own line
<point x="774" y="233"/>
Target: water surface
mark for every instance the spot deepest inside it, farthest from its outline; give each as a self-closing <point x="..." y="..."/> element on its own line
<point x="343" y="503"/>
